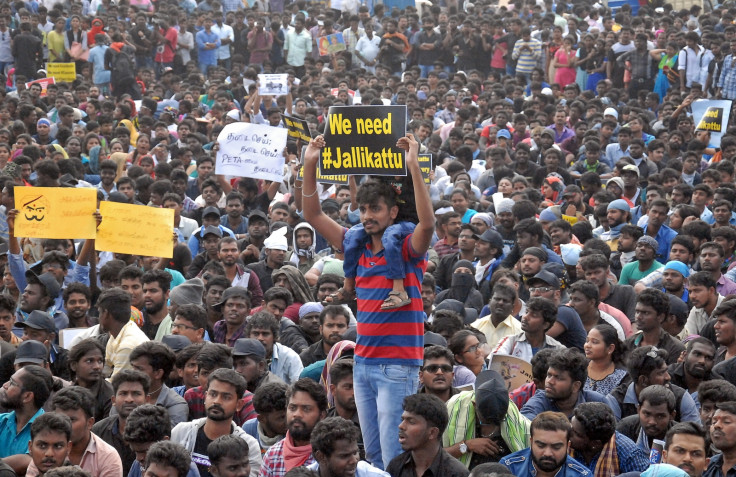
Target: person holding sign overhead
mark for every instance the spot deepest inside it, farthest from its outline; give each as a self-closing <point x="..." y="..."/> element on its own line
<point x="387" y="361"/>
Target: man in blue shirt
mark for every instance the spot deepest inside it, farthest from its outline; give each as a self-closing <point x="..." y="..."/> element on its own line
<point x="207" y="44"/>
<point x="24" y="393"/>
<point x="563" y="388"/>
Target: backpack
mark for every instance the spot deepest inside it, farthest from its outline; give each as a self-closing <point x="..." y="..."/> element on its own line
<point x="122" y="67"/>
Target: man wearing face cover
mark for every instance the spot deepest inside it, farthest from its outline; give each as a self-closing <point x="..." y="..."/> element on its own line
<point x="484" y="424"/>
<point x="304" y="256"/>
<point x="463" y="286"/>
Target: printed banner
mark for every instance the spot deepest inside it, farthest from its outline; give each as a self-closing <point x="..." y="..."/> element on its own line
<point x="516" y="372"/>
<point x="44" y="82"/>
<point x="55" y="212"/>
<point x="273" y="84"/>
<point x="66" y="72"/>
<point x="251" y="150"/>
<point x="136" y="230"/>
<point x="362" y="140"/>
<point x="425" y="164"/>
<point x="298" y="128"/>
<point x="331" y="44"/>
<point x="712" y="115"/>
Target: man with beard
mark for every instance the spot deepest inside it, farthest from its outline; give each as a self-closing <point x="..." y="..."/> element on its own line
<point x="618" y="213"/>
<point x="674" y="279"/>
<point x="252" y="244"/>
<point x="341" y="388"/>
<point x="711" y="260"/>
<point x="594" y="438"/>
<point x="249" y="359"/>
<point x="505" y="222"/>
<point x="130" y="388"/>
<point x="334" y="442"/>
<point x="657" y="212"/>
<point x="333" y="323"/>
<point x="704" y="299"/>
<point x="236" y="273"/>
<point x="77" y="303"/>
<point x="685" y="448"/>
<point x="306" y="406"/>
<point x="656" y="414"/>
<point x="645" y="263"/>
<point x="437" y="373"/>
<point x="235" y="305"/>
<point x="24" y="394"/>
<point x="563" y="387"/>
<point x="548" y="454"/>
<point x="50" y="443"/>
<point x="696" y="366"/>
<point x="223" y="399"/>
<point x="269" y="427"/>
<point x="156" y="319"/>
<point x="423" y="422"/>
<point x="213" y="290"/>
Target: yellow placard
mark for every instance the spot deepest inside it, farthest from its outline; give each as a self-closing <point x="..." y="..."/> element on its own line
<point x="135" y="230"/>
<point x="55" y="212"/>
<point x="66" y="72"/>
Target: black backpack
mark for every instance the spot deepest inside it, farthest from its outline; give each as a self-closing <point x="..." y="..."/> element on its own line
<point x="122" y="66"/>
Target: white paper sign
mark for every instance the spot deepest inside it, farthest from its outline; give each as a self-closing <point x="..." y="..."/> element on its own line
<point x="273" y="85"/>
<point x="251" y="150"/>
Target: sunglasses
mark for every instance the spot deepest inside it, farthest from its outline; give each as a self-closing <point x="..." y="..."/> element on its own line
<point x="433" y="368"/>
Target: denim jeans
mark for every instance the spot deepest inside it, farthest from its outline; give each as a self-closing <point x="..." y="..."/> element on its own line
<point x="426" y="69"/>
<point x="379" y="396"/>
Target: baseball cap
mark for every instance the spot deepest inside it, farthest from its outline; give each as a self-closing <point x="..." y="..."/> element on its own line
<point x="546" y="277"/>
<point x="211" y="230"/>
<point x="231" y="293"/>
<point x="630" y="168"/>
<point x="211" y="210"/>
<point x="249" y="347"/>
<point x="176" y="342"/>
<point x="46" y="280"/>
<point x="468" y="315"/>
<point x="257" y="214"/>
<point x="39" y="320"/>
<point x="31" y="351"/>
<point x="492" y="237"/>
<point x="434" y="339"/>
<point x="503" y="133"/>
<point x="571" y="189"/>
<point x="491" y="396"/>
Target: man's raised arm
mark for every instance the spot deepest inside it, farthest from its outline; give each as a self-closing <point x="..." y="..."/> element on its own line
<point x="326" y="227"/>
<point x="422" y="236"/>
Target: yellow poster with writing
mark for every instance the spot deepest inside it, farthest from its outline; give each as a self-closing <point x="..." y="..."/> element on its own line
<point x="55" y="212"/>
<point x="66" y="72"/>
<point x="136" y="230"/>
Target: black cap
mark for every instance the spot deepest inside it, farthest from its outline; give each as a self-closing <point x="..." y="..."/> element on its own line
<point x="249" y="347"/>
<point x="46" y="280"/>
<point x="434" y="339"/>
<point x="491" y="396"/>
<point x="31" y="351"/>
<point x="211" y="229"/>
<point x="210" y="211"/>
<point x="257" y="214"/>
<point x="492" y="237"/>
<point x="468" y="315"/>
<point x="230" y="293"/>
<point x="176" y="342"/>
<point x="328" y="204"/>
<point x="39" y="320"/>
<point x="545" y="277"/>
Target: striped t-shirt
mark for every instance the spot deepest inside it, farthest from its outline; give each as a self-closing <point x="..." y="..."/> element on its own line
<point x="392" y="336"/>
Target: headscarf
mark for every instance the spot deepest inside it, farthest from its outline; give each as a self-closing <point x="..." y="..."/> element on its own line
<point x="98" y="26"/>
<point x="120" y="159"/>
<point x="557" y="187"/>
<point x="339" y="350"/>
<point x="462" y="283"/>
<point x="58" y="148"/>
<point x="133" y="132"/>
<point x="485" y="217"/>
<point x="299" y="286"/>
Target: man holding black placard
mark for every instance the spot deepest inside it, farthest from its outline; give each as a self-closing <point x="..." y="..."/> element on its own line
<point x="384" y="361"/>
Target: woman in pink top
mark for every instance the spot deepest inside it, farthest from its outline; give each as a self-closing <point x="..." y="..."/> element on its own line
<point x="564" y="63"/>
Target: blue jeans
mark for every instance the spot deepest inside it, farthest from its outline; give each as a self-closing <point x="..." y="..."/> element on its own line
<point x="393" y="237"/>
<point x="426" y="69"/>
<point x="379" y="397"/>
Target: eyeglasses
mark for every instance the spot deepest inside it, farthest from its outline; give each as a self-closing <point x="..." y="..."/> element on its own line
<point x="540" y="289"/>
<point x="433" y="368"/>
<point x="473" y="348"/>
<point x="179" y="325"/>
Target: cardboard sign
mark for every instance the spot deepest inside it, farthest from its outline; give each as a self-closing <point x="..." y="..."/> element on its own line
<point x="44" y="82"/>
<point x="273" y="84"/>
<point x="136" y="230"/>
<point x="362" y="140"/>
<point x="298" y="128"/>
<point x="331" y="44"/>
<point x="712" y="115"/>
<point x="516" y="372"/>
<point x="341" y="179"/>
<point x="425" y="164"/>
<point x="251" y="150"/>
<point x="55" y="212"/>
<point x="66" y="72"/>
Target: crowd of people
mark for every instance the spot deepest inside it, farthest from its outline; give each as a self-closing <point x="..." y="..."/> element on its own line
<point x="577" y="223"/>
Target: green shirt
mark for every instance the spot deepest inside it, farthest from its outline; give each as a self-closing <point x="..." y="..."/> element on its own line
<point x="631" y="274"/>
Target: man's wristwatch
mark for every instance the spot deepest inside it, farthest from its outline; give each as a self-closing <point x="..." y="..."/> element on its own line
<point x="463" y="447"/>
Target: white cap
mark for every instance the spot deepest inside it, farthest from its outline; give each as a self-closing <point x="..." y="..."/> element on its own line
<point x="547" y="91"/>
<point x="610" y="112"/>
<point x="234" y="114"/>
<point x="277" y="240"/>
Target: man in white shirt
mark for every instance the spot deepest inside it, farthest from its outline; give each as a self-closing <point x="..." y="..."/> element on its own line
<point x="367" y="48"/>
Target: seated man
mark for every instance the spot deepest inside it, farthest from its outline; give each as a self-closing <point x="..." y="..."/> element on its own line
<point x="563" y="387"/>
<point x="336" y="440"/>
<point x="167" y="458"/>
<point x="550" y="435"/>
<point x="656" y="415"/>
<point x="685" y="447"/>
<point x="594" y="437"/>
<point x="541" y="314"/>
<point x="228" y="456"/>
<point x="269" y="427"/>
<point x="50" y="431"/>
<point x="493" y="414"/>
